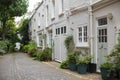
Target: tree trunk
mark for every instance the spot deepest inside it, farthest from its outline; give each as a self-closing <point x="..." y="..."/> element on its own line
<point x="3" y="29"/>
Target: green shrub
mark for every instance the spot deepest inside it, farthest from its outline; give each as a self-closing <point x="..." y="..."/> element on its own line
<point x="2" y="52"/>
<point x="3" y="45"/>
<point x="42" y="56"/>
<point x="107" y="65"/>
<point x="71" y="57"/>
<point x="48" y="53"/>
<point x="69" y="44"/>
<point x="64" y="64"/>
<point x="30" y="48"/>
<point x="11" y="48"/>
<point x="84" y="60"/>
<point x="31" y="45"/>
<point x="45" y="55"/>
<point x="25" y="48"/>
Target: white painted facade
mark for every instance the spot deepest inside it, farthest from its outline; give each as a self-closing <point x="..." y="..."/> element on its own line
<point x="54" y="20"/>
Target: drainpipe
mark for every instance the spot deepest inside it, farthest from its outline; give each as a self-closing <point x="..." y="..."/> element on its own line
<point x="91" y="29"/>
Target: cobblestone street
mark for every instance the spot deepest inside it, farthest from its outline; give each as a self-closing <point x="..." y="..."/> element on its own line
<point x="19" y="66"/>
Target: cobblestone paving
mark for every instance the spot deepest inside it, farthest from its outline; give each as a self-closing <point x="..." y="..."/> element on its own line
<point x="19" y="66"/>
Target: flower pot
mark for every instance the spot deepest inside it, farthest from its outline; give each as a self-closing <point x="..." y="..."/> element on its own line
<point x="105" y="72"/>
<point x="72" y="66"/>
<point x="82" y="68"/>
<point x="118" y="74"/>
<point x="91" y="67"/>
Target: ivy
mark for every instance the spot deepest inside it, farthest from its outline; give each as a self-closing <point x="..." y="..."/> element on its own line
<point x="69" y="43"/>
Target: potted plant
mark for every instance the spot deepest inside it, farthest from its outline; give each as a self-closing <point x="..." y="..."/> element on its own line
<point x="118" y="70"/>
<point x="105" y="69"/>
<point x="64" y="64"/>
<point x="114" y="57"/>
<point x="82" y="64"/>
<point x="72" y="61"/>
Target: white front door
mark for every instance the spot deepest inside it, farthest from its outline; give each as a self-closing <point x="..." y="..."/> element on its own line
<point x="59" y="47"/>
<point x="102" y="45"/>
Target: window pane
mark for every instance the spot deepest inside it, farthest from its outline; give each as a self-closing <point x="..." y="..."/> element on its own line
<point x="102" y="21"/>
<point x="105" y="31"/>
<point x="85" y="33"/>
<point x="99" y="39"/>
<point x="61" y="30"/>
<point x="105" y="38"/>
<point x="58" y="30"/>
<point x="64" y="29"/>
<point x="80" y="34"/>
<point x="100" y="32"/>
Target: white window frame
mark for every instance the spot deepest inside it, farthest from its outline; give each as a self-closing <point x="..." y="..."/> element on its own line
<point x="40" y="39"/>
<point x="82" y="43"/>
<point x="53" y="9"/>
<point x="47" y="15"/>
<point x="61" y="7"/>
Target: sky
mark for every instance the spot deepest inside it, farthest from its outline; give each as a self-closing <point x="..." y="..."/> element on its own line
<point x="30" y="8"/>
<point x="32" y="3"/>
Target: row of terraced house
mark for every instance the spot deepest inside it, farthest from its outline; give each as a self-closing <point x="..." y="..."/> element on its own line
<point x="94" y="24"/>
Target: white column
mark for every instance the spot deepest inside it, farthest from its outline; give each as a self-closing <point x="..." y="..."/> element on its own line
<point x="91" y="30"/>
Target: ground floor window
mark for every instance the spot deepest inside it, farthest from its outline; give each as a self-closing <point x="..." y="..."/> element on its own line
<point x="82" y="34"/>
<point x="40" y="40"/>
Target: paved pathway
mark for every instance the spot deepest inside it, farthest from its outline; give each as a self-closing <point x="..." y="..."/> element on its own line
<point x="19" y="66"/>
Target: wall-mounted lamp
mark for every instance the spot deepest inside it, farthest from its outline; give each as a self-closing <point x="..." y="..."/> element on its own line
<point x="110" y="16"/>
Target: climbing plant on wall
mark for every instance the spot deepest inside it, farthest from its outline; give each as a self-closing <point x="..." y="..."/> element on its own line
<point x="69" y="43"/>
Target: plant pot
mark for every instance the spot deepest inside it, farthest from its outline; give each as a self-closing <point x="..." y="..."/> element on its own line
<point x="91" y="67"/>
<point x="72" y="66"/>
<point x="82" y="68"/>
<point x="105" y="72"/>
<point x="118" y="74"/>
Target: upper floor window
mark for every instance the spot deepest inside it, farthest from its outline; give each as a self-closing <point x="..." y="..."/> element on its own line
<point x="61" y="6"/>
<point x="53" y="9"/>
<point x="58" y="30"/>
<point x="64" y="29"/>
<point x="61" y="30"/>
<point x="47" y="15"/>
<point x="82" y="34"/>
<point x="62" y="3"/>
<point x="102" y="21"/>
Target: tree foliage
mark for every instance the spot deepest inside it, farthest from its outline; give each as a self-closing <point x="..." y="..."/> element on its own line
<point x="9" y="9"/>
<point x="23" y="31"/>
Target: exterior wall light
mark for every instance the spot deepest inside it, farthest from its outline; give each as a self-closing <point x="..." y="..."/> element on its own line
<point x="110" y="16"/>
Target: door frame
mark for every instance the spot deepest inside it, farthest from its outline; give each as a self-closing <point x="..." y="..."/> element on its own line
<point x="96" y="31"/>
<point x="98" y="27"/>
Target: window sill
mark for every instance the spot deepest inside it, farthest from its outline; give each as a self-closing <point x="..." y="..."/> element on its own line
<point x="61" y="14"/>
<point x="53" y="18"/>
<point x="82" y="45"/>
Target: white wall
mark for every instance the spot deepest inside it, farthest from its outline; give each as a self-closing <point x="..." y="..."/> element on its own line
<point x="78" y="20"/>
<point x="78" y="3"/>
<point x="113" y="24"/>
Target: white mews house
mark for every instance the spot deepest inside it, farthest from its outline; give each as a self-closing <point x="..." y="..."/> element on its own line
<point x="94" y="24"/>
